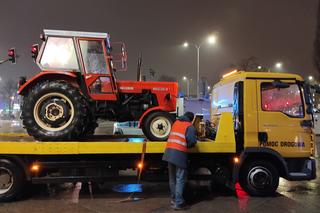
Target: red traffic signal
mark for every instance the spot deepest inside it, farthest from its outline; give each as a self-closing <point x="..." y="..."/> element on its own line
<point x="12" y="55"/>
<point x="35" y="51"/>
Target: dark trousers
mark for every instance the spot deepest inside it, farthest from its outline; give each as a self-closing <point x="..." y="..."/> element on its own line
<point x="177" y="179"/>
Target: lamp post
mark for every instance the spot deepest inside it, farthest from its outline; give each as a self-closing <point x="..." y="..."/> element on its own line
<point x="211" y="40"/>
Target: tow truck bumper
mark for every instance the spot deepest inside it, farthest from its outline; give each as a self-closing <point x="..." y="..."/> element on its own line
<point x="302" y="169"/>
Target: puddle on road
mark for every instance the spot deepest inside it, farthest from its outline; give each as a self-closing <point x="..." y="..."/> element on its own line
<point x="127" y="188"/>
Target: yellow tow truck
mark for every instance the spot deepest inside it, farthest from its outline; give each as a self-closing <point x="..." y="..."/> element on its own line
<point x="263" y="131"/>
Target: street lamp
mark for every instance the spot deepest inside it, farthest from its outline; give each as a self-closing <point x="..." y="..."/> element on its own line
<point x="310" y="77"/>
<point x="211" y="40"/>
<point x="278" y="65"/>
<point x="188" y="85"/>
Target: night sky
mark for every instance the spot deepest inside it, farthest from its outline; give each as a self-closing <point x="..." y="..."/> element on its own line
<point x="274" y="30"/>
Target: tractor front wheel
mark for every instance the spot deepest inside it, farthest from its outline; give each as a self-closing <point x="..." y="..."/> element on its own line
<point x="157" y="125"/>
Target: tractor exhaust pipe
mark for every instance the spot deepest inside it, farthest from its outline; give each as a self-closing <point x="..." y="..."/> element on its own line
<point x="139" y="67"/>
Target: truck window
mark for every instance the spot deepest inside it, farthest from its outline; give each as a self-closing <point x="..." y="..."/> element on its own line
<point x="93" y="57"/>
<point x="285" y="100"/>
<point x="59" y="53"/>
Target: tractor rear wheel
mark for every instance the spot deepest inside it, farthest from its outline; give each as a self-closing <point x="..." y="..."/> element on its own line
<point x="157" y="125"/>
<point x="53" y="111"/>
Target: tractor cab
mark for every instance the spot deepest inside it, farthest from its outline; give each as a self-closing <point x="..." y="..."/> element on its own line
<point x="87" y="53"/>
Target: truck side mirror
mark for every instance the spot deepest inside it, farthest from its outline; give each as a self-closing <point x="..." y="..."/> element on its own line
<point x="307" y="94"/>
<point x="309" y="109"/>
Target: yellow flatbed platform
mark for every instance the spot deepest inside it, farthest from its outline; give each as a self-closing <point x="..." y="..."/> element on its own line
<point x="24" y="144"/>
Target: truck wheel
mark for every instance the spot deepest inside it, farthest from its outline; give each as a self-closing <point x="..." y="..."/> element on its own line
<point x="54" y="110"/>
<point x="259" y="178"/>
<point x="157" y="126"/>
<point x="11" y="181"/>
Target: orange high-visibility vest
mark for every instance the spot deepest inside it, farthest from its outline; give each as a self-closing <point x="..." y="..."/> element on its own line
<point x="177" y="138"/>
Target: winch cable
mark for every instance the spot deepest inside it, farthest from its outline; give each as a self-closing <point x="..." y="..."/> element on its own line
<point x="131" y="197"/>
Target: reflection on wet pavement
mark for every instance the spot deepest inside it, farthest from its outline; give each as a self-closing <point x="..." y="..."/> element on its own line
<point x="127" y="188"/>
<point x="109" y="197"/>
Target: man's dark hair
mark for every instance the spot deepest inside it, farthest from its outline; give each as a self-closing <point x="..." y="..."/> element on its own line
<point x="189" y="115"/>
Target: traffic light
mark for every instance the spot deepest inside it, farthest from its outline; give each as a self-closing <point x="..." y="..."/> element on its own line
<point x="12" y="55"/>
<point x="35" y="51"/>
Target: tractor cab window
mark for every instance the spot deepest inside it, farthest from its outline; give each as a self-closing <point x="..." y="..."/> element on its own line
<point x="59" y="53"/>
<point x="286" y="100"/>
<point x="93" y="57"/>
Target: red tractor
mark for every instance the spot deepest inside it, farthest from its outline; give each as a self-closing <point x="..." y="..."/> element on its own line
<point x="77" y="85"/>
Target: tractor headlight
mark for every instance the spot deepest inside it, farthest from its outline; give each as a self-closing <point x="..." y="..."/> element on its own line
<point x="145" y="106"/>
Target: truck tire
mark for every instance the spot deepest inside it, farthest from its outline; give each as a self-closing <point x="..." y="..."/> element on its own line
<point x="12" y="181"/>
<point x="54" y="111"/>
<point x="259" y="178"/>
<point x="157" y="125"/>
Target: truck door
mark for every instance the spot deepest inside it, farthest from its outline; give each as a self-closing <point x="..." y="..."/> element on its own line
<point x="281" y="110"/>
<point x="97" y="70"/>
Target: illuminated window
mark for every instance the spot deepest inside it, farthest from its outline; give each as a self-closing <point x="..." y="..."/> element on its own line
<point x="59" y="53"/>
<point x="286" y="100"/>
<point x="93" y="57"/>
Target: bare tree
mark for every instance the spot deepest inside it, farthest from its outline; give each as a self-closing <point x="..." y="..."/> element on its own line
<point x="167" y="78"/>
<point x="316" y="49"/>
<point x="7" y="91"/>
<point x="247" y="64"/>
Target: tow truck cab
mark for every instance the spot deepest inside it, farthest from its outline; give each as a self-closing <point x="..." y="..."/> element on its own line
<point x="272" y="115"/>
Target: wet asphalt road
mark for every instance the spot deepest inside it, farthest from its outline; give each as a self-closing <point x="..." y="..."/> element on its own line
<point x="291" y="197"/>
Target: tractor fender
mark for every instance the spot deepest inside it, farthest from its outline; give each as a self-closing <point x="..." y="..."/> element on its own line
<point x="157" y="108"/>
<point x="46" y="75"/>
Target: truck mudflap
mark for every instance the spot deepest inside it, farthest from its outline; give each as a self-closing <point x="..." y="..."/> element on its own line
<point x="292" y="169"/>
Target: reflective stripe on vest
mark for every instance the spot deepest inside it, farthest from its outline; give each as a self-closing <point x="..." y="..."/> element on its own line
<point x="178" y="142"/>
<point x="178" y="134"/>
<point x="177" y="139"/>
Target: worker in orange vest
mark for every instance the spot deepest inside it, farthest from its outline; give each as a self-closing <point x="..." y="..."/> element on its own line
<point x="182" y="136"/>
